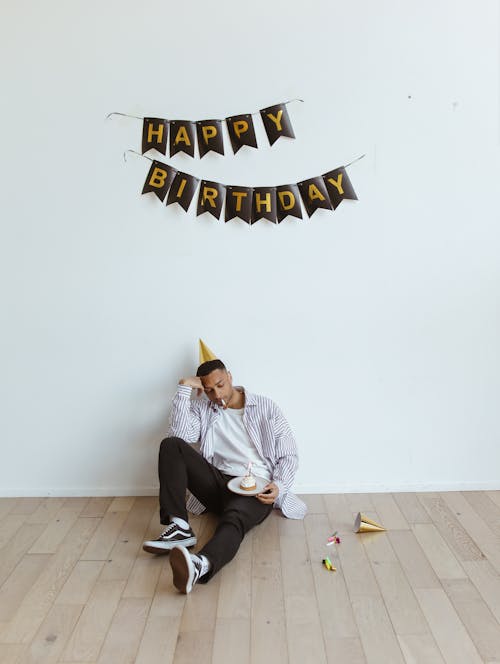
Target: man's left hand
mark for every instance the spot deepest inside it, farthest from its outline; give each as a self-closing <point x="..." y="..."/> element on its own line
<point x="269" y="494"/>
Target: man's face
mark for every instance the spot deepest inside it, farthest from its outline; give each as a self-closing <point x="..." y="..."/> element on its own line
<point x="218" y="385"/>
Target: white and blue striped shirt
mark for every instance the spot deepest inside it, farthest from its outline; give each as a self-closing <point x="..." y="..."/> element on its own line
<point x="193" y="419"/>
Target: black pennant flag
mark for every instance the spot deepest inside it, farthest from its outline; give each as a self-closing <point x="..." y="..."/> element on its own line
<point x="339" y="186"/>
<point x="210" y="198"/>
<point x="241" y="131"/>
<point x="182" y="137"/>
<point x="276" y="122"/>
<point x="182" y="190"/>
<point x="154" y="134"/>
<point x="314" y="194"/>
<point x="288" y="201"/>
<point x="264" y="204"/>
<point x="210" y="136"/>
<point x="159" y="179"/>
<point x="239" y="203"/>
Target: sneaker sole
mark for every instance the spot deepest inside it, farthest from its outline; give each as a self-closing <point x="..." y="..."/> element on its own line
<point x="165" y="547"/>
<point x="183" y="580"/>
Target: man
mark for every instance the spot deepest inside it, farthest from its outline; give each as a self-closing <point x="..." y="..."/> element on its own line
<point x="233" y="427"/>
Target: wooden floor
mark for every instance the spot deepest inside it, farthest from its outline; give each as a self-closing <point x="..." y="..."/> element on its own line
<point x="75" y="585"/>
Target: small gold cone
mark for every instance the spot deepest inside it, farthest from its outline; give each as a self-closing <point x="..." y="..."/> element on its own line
<point x="365" y="525"/>
<point x="205" y="353"/>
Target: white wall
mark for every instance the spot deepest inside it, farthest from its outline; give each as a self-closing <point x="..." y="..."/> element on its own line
<point x="376" y="328"/>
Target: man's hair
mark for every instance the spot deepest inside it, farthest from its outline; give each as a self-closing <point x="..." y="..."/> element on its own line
<point x="207" y="367"/>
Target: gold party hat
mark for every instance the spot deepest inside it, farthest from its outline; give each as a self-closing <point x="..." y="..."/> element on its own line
<point x="205" y="353"/>
<point x="365" y="525"/>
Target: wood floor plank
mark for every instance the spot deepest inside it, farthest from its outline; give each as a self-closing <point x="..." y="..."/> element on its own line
<point x="457" y="538"/>
<point x="90" y="631"/>
<point x="59" y="526"/>
<point x="19" y="584"/>
<point x="11" y="653"/>
<point x="9" y="525"/>
<point x="36" y="605"/>
<point x="124" y="636"/>
<point x="451" y="636"/>
<point x="26" y="505"/>
<point x="143" y="577"/>
<point x="97" y="506"/>
<point x="315" y="503"/>
<point x="486" y="508"/>
<point x="411" y="508"/>
<point x="232" y="641"/>
<point x="340" y="632"/>
<point x="487" y="581"/>
<point x="105" y="536"/>
<point x="476" y="528"/>
<point x="235" y="585"/>
<point x="439" y="554"/>
<point x="159" y="640"/>
<point x="420" y="649"/>
<point x="80" y="583"/>
<point x="412" y="557"/>
<point x="268" y="623"/>
<point x="48" y="643"/>
<point x="161" y="631"/>
<point x="46" y="510"/>
<point x="194" y="647"/>
<point x="479" y="621"/>
<point x="400" y="601"/>
<point x="121" y="504"/>
<point x="13" y="550"/>
<point x="494" y="496"/>
<point x="303" y="623"/>
<point x="6" y="506"/>
<point x="377" y="635"/>
<point x="388" y="512"/>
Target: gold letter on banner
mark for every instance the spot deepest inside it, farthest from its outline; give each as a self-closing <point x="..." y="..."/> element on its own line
<point x="240" y="127"/>
<point x="209" y="194"/>
<point x="239" y="195"/>
<point x="159" y="179"/>
<point x="291" y="199"/>
<point x="155" y="132"/>
<point x="260" y="201"/>
<point x="337" y="183"/>
<point x="209" y="131"/>
<point x="276" y="119"/>
<point x="211" y="198"/>
<point x="314" y="193"/>
<point x="181" y="136"/>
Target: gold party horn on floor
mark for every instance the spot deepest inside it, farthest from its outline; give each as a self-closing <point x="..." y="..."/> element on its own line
<point x="365" y="525"/>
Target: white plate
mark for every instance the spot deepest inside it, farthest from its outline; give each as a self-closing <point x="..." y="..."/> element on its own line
<point x="234" y="486"/>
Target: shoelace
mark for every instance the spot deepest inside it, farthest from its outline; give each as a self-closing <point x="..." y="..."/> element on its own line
<point x="169" y="529"/>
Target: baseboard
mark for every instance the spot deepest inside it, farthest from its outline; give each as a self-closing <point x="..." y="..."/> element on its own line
<point x="389" y="487"/>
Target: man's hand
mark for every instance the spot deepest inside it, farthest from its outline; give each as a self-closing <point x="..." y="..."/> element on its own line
<point x="194" y="382"/>
<point x="269" y="494"/>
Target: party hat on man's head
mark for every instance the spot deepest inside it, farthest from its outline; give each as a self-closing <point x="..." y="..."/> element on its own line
<point x="205" y="353"/>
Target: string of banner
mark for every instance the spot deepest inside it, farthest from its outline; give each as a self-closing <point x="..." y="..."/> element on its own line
<point x="250" y="204"/>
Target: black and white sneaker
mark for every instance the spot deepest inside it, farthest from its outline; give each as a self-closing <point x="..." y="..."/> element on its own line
<point x="186" y="569"/>
<point x="170" y="537"/>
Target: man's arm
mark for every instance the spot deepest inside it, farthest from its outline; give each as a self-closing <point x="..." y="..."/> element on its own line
<point x="286" y="462"/>
<point x="185" y="416"/>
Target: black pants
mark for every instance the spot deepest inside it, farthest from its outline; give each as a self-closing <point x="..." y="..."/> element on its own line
<point x="181" y="467"/>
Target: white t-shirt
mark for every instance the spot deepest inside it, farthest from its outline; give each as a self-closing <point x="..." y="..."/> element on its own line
<point x="233" y="448"/>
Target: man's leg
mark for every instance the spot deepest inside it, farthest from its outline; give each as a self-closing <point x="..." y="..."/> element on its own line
<point x="181" y="467"/>
<point x="240" y="514"/>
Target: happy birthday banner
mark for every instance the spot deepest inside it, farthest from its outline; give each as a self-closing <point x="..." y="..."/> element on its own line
<point x="250" y="203"/>
<point x="182" y="135"/>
